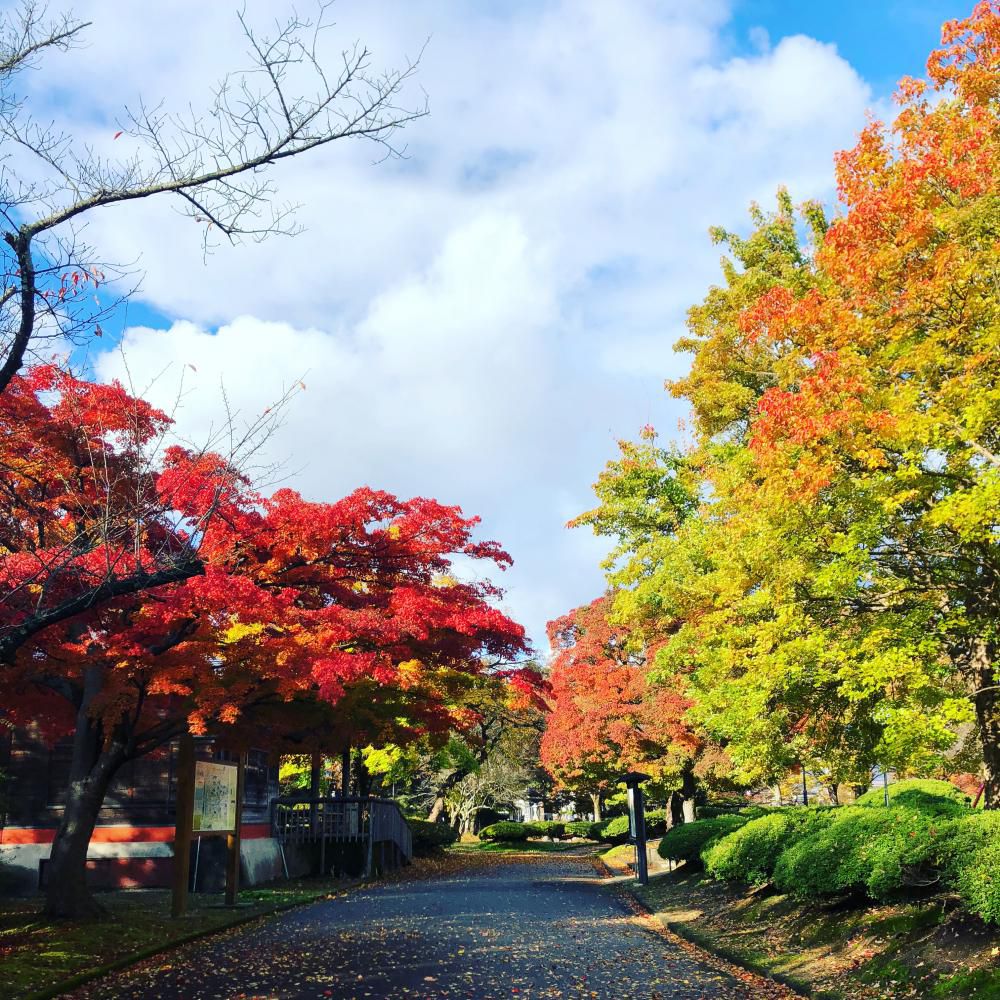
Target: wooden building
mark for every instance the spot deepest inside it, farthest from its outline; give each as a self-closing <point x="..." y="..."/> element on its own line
<point x="132" y="844"/>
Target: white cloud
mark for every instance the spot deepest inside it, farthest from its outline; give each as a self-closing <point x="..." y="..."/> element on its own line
<point x="482" y="321"/>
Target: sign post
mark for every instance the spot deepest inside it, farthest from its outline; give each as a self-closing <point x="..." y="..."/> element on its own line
<point x="637" y="823"/>
<point x="184" y="803"/>
<point x="234" y="839"/>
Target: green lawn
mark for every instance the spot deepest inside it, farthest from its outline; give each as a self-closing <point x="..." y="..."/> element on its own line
<point x="36" y="956"/>
<point x="519" y="847"/>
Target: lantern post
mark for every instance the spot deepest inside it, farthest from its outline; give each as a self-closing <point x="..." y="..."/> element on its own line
<point x="637" y="822"/>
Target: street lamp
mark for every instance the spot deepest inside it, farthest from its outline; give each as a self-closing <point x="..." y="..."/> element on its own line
<point x="637" y="822"/>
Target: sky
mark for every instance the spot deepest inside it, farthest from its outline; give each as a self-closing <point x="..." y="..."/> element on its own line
<point x="482" y="320"/>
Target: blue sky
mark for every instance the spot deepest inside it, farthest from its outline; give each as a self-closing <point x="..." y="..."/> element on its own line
<point x="882" y="39"/>
<point x="482" y="321"/>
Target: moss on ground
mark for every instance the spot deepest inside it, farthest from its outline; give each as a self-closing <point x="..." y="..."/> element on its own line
<point x="911" y="948"/>
<point x="38" y="955"/>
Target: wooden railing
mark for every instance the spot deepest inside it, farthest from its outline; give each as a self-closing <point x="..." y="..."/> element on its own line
<point x="377" y="823"/>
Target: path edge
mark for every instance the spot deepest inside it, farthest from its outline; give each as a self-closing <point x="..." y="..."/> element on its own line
<point x="127" y="961"/>
<point x="796" y="988"/>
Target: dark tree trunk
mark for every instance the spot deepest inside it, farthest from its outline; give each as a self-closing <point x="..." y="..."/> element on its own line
<point x="345" y="772"/>
<point x="595" y="799"/>
<point x="443" y="788"/>
<point x="363" y="779"/>
<point x="688" y="789"/>
<point x="834" y="793"/>
<point x="92" y="769"/>
<point x="987" y="702"/>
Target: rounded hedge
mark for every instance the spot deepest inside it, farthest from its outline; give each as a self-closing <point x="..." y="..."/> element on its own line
<point x="505" y="831"/>
<point x="615" y="830"/>
<point x="860" y="849"/>
<point x="430" y="837"/>
<point x="584" y="828"/>
<point x="713" y="811"/>
<point x="750" y="853"/>
<point x="937" y="797"/>
<point x="546" y="828"/>
<point x="687" y="841"/>
<point x="970" y="859"/>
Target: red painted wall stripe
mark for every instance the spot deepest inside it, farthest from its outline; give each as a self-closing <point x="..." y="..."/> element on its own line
<point x="121" y="834"/>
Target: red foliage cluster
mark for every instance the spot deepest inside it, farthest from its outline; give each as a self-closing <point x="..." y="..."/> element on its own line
<point x="275" y="600"/>
<point x="605" y="718"/>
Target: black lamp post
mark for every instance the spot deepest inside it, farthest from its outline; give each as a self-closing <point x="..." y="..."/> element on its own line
<point x="637" y="822"/>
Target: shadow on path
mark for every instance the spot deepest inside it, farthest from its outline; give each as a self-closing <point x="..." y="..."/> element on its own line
<point x="524" y="927"/>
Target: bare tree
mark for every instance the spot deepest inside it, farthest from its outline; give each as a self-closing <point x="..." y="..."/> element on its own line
<point x="502" y="778"/>
<point x="218" y="163"/>
<point x="54" y="287"/>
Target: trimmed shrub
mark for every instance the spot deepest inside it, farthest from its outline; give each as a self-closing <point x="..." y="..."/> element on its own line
<point x="860" y="849"/>
<point x="970" y="859"/>
<point x="430" y="837"/>
<point x="940" y="798"/>
<point x="656" y="822"/>
<point x="687" y="841"/>
<point x="615" y="830"/>
<point x="750" y="853"/>
<point x="711" y="812"/>
<point x="584" y="828"/>
<point x="505" y="831"/>
<point x="546" y="828"/>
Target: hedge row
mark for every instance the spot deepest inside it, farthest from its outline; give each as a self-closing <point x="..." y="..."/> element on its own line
<point x="430" y="837"/>
<point x="928" y="837"/>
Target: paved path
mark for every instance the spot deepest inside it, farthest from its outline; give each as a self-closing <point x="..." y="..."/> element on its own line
<point x="531" y="928"/>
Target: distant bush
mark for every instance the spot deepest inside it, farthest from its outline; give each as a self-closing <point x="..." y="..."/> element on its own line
<point x="584" y="828"/>
<point x="615" y="830"/>
<point x="430" y="837"/>
<point x="940" y="798"/>
<point x="860" y="849"/>
<point x="687" y="841"/>
<point x="712" y="811"/>
<point x="750" y="853"/>
<point x="546" y="828"/>
<point x="656" y="822"/>
<point x="970" y="859"/>
<point x="505" y="831"/>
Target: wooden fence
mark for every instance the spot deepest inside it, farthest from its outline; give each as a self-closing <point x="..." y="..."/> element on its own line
<point x="377" y="824"/>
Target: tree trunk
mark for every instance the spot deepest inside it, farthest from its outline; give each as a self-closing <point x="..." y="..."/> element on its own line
<point x="668" y="812"/>
<point x="443" y="788"/>
<point x="676" y="809"/>
<point x="688" y="789"/>
<point x="595" y="798"/>
<point x="987" y="701"/>
<point x="345" y="773"/>
<point x="834" y="793"/>
<point x="92" y="769"/>
<point x="362" y="778"/>
<point x="776" y="795"/>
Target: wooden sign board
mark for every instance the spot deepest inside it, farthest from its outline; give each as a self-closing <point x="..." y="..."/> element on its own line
<point x="215" y="796"/>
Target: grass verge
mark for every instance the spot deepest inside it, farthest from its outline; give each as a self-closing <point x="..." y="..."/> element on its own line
<point x="916" y="948"/>
<point x="521" y="847"/>
<point x="42" y="959"/>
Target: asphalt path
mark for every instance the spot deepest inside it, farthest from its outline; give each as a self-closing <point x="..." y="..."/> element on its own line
<point x="529" y="927"/>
